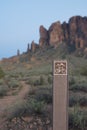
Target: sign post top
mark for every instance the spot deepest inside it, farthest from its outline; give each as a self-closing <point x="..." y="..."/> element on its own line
<point x="60" y="67"/>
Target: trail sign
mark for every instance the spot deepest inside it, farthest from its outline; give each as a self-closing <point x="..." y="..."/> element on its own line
<point x="60" y="95"/>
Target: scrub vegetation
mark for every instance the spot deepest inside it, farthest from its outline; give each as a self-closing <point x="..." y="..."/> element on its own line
<point x="34" y="110"/>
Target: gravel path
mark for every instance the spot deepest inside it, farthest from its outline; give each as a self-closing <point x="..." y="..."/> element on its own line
<point x="7" y="101"/>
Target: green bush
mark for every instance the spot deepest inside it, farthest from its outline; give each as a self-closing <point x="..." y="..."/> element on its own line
<point x="37" y="107"/>
<point x="39" y="81"/>
<point x="78" y="120"/>
<point x="83" y="71"/>
<point x="1" y="81"/>
<point x="25" y="108"/>
<point x="42" y="93"/>
<point x="2" y="74"/>
<point x="42" y="81"/>
<point x="30" y="81"/>
<point x="73" y="101"/>
<point x="77" y="100"/>
<point x="50" y="79"/>
<point x="71" y="81"/>
<point x="3" y="90"/>
<point x="36" y="82"/>
<point x="83" y="101"/>
<point x="18" y="109"/>
<point x="13" y="84"/>
<point x="79" y="87"/>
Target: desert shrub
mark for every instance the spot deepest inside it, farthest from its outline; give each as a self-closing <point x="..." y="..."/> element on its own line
<point x="50" y="80"/>
<point x="30" y="81"/>
<point x="41" y="93"/>
<point x="83" y="101"/>
<point x="71" y="81"/>
<point x="36" y="81"/>
<point x="13" y="84"/>
<point x="25" y="108"/>
<point x="18" y="109"/>
<point x="42" y="81"/>
<point x="77" y="100"/>
<point x="3" y="90"/>
<point x="78" y="120"/>
<point x="1" y="81"/>
<point x="32" y="91"/>
<point x="44" y="94"/>
<point x="79" y="53"/>
<point x="79" y="87"/>
<point x="2" y="74"/>
<point x="33" y="82"/>
<point x="83" y="71"/>
<point x="36" y="107"/>
<point x="73" y="101"/>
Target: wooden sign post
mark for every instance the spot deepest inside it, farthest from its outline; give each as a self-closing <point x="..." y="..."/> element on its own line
<point x="60" y="96"/>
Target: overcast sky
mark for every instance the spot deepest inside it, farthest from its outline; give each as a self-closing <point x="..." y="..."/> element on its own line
<point x="20" y="20"/>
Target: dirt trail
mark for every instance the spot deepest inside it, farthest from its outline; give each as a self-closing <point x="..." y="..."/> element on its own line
<point x="9" y="100"/>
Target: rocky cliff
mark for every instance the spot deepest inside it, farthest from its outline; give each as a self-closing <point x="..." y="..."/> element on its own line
<point x="73" y="33"/>
<point x="43" y="36"/>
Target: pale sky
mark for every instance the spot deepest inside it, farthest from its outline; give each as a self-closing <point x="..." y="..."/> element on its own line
<point x="20" y="20"/>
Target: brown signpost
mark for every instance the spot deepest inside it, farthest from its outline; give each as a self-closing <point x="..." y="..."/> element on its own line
<point x="60" y="96"/>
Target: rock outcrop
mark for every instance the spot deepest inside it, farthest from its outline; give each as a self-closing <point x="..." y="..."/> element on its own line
<point x="55" y="34"/>
<point x="34" y="46"/>
<point x="73" y="33"/>
<point x="78" y="31"/>
<point x="43" y="41"/>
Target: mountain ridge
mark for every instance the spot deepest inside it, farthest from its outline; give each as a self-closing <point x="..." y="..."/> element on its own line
<point x="73" y="34"/>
